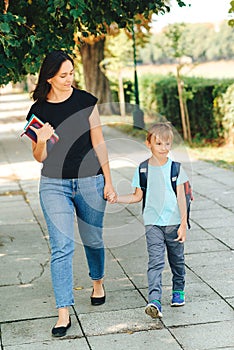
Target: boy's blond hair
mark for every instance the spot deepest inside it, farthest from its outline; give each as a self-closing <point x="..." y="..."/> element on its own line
<point x="161" y="130"/>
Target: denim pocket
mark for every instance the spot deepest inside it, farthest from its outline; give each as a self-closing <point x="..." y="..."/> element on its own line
<point x="100" y="184"/>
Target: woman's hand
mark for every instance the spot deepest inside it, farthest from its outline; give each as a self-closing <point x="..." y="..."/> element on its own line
<point x="109" y="193"/>
<point x="44" y="133"/>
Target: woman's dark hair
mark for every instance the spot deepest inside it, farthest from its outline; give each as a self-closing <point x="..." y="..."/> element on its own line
<point x="49" y="68"/>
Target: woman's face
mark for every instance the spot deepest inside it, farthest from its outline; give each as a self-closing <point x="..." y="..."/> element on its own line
<point x="62" y="81"/>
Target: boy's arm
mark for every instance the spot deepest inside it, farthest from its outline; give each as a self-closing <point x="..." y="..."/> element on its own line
<point x="183" y="213"/>
<point x="131" y="197"/>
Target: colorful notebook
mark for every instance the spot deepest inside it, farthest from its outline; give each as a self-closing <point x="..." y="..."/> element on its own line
<point x="37" y="123"/>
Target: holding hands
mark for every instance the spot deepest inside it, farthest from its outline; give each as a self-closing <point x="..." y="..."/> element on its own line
<point x="110" y="194"/>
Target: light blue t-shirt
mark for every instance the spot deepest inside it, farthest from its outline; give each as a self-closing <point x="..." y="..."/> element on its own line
<point x="161" y="207"/>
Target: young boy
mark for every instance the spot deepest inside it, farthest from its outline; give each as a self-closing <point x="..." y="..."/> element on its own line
<point x="165" y="218"/>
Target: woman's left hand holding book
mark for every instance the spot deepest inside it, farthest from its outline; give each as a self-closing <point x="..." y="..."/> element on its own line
<point x="44" y="133"/>
<point x="40" y="147"/>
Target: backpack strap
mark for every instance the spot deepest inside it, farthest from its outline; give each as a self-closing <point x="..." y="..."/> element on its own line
<point x="175" y="170"/>
<point x="143" y="175"/>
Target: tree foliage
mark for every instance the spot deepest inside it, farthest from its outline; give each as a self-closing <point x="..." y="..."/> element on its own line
<point x="29" y="29"/>
<point x="231" y="12"/>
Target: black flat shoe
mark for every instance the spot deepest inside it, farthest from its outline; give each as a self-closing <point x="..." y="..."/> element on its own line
<point x="61" y="331"/>
<point x="98" y="300"/>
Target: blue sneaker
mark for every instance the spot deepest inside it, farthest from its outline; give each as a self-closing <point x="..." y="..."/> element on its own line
<point x="177" y="298"/>
<point x="154" y="309"/>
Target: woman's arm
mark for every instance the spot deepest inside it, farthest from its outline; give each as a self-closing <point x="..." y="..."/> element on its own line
<point x="99" y="146"/>
<point x="39" y="147"/>
<point x="183" y="213"/>
<point x="131" y="197"/>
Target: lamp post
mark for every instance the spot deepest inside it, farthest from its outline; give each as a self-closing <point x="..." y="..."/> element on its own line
<point x="138" y="114"/>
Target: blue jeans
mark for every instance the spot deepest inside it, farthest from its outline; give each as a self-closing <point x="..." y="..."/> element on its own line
<point x="158" y="238"/>
<point x="61" y="200"/>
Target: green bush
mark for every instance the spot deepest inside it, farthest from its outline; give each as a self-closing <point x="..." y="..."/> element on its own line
<point x="159" y="94"/>
<point x="128" y="90"/>
<point x="227" y="111"/>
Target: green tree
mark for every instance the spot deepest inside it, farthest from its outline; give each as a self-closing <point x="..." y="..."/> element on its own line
<point x="203" y="42"/>
<point x="231" y="11"/>
<point x="174" y="46"/>
<point x="29" y="29"/>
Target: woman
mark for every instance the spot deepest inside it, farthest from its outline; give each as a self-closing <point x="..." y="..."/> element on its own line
<point x="75" y="178"/>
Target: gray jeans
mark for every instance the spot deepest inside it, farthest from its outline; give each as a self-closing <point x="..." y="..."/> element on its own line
<point x="158" y="238"/>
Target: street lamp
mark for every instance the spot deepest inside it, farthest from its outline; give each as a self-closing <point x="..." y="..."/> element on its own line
<point x="138" y="114"/>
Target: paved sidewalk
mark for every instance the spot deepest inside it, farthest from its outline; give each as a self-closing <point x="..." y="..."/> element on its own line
<point x="27" y="310"/>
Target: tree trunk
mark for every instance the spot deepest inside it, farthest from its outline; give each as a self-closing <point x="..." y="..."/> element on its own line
<point x="182" y="112"/>
<point x="95" y="80"/>
<point x="187" y="122"/>
<point x="121" y="96"/>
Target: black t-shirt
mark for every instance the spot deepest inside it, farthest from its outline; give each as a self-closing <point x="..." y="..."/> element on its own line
<point x="73" y="155"/>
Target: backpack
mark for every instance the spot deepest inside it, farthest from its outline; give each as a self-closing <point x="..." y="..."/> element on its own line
<point x="175" y="170"/>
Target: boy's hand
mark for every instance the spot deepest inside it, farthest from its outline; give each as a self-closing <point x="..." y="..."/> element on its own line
<point x="181" y="234"/>
<point x="110" y="194"/>
<point x="112" y="198"/>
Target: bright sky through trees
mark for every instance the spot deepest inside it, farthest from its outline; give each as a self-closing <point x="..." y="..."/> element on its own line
<point x="199" y="11"/>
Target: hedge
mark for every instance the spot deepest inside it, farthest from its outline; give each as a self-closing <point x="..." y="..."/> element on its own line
<point x="158" y="94"/>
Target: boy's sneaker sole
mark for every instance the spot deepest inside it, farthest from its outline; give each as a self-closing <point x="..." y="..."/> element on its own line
<point x="153" y="311"/>
<point x="178" y="304"/>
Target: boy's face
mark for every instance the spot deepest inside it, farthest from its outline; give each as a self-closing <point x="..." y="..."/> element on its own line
<point x="160" y="147"/>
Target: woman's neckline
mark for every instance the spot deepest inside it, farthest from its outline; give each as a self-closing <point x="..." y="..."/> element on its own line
<point x="61" y="101"/>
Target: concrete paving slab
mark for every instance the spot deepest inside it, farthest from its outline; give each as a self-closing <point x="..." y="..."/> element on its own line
<point x="121" y="321"/>
<point x="20" y="214"/>
<point x="200" y="203"/>
<point x="10" y="199"/>
<point x="194" y="225"/>
<point x="210" y="213"/>
<point x="219" y="278"/>
<point x="113" y="267"/>
<point x="223" y="286"/>
<point x="224" y="258"/>
<point x="217" y="222"/>
<point x="20" y="302"/>
<point x="55" y="344"/>
<point x="117" y="300"/>
<point x="122" y="233"/>
<point x="225" y="234"/>
<point x="208" y="186"/>
<point x="30" y="331"/>
<point x="137" y="271"/>
<point x="211" y="245"/>
<point x="197" y="312"/>
<point x="22" y="239"/>
<point x="224" y="199"/>
<point x="230" y="301"/>
<point x="8" y="187"/>
<point x="22" y="269"/>
<point x="134" y="249"/>
<point x="211" y="336"/>
<point x="197" y="234"/>
<point x="145" y="340"/>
